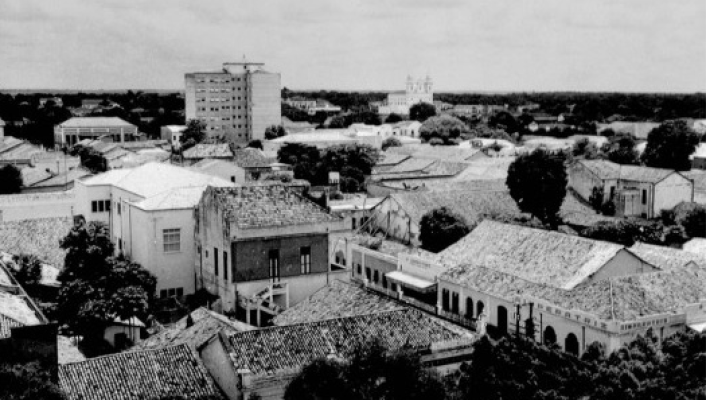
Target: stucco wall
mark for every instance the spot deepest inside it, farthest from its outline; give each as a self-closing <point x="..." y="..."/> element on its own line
<point x="20" y="207"/>
<point x="220" y="368"/>
<point x="671" y="191"/>
<point x="624" y="263"/>
<point x="582" y="180"/>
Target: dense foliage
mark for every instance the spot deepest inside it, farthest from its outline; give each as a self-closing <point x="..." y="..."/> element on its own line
<point x="193" y="134"/>
<point x="390" y="142"/>
<point x="27" y="272"/>
<point x="421" y="112"/>
<point x="445" y="128"/>
<point x="96" y="286"/>
<point x="91" y="159"/>
<point x="274" y="131"/>
<point x="670" y="146"/>
<point x="626" y="232"/>
<point x="393" y="118"/>
<point x="10" y="179"/>
<point x="440" y="228"/>
<point x="352" y="162"/>
<point x="362" y="117"/>
<point x="353" y="101"/>
<point x="370" y="372"/>
<point x="28" y="381"/>
<point x="538" y="184"/>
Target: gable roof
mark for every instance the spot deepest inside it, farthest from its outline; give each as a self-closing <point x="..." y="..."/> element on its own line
<point x="289" y="348"/>
<point x="336" y="300"/>
<point x="207" y="150"/>
<point x="267" y="206"/>
<point x="205" y="324"/>
<point x="91" y="122"/>
<point x="539" y="256"/>
<point x="138" y="375"/>
<point x="608" y="170"/>
<point x="667" y="258"/>
<point x="154" y="178"/>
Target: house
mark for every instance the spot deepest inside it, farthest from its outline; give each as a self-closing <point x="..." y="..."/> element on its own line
<point x="292" y="127"/>
<point x="356" y="209"/>
<point x="173" y="134"/>
<point x="121" y="333"/>
<point x="149" y="213"/>
<point x="262" y="248"/>
<point x="57" y="101"/>
<point x="193" y="330"/>
<point x="91" y="104"/>
<point x="201" y="151"/>
<point x="407" y="128"/>
<point x="638" y="130"/>
<point x="698" y="178"/>
<point x="256" y="165"/>
<point x="321" y="138"/>
<point x="149" y="374"/>
<point x="60" y="182"/>
<point x="76" y="129"/>
<point x="635" y="190"/>
<point x="552" y="287"/>
<point x="264" y="361"/>
<point x="226" y="170"/>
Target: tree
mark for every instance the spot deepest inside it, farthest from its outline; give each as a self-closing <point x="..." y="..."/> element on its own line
<point x="256" y="144"/>
<point x="421" y="112"/>
<point x="694" y="222"/>
<point x="440" y="228"/>
<point x="27" y="271"/>
<point x="582" y="148"/>
<point x="353" y="163"/>
<point x="193" y="134"/>
<point x="274" y="131"/>
<point x="538" y="184"/>
<point x="10" y="180"/>
<point x="626" y="232"/>
<point x="93" y="160"/>
<point x="390" y="142"/>
<point x="369" y="371"/>
<point x="444" y="127"/>
<point x="97" y="287"/>
<point x="622" y="151"/>
<point x="28" y="381"/>
<point x="670" y="146"/>
<point x="303" y="158"/>
<point x="393" y="118"/>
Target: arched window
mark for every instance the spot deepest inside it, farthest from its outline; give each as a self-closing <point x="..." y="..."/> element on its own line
<point x="445" y="299"/>
<point x="572" y="344"/>
<point x="502" y="320"/>
<point x="549" y="337"/>
<point x="469" y="307"/>
<point x="479" y="308"/>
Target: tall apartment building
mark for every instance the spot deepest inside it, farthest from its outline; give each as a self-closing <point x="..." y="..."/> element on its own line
<point x="239" y="102"/>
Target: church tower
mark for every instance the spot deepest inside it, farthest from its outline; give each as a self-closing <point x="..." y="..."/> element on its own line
<point x="429" y="84"/>
<point x="410" y="84"/>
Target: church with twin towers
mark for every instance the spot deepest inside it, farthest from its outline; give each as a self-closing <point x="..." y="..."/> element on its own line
<point x="417" y="91"/>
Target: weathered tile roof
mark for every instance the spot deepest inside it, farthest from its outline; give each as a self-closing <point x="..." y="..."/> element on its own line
<point x="38" y="237"/>
<point x="24" y="151"/>
<point x="448" y="153"/>
<point x="208" y="150"/>
<point x="9" y="142"/>
<point x="666" y="258"/>
<point x="250" y="158"/>
<point x="621" y="298"/>
<point x="63" y="178"/>
<point x="289" y="348"/>
<point x="409" y="169"/>
<point x="391" y="158"/>
<point x="496" y="185"/>
<point x="205" y="324"/>
<point x="486" y="168"/>
<point x="267" y="206"/>
<point x="608" y="170"/>
<point x="469" y="204"/>
<point x="139" y="375"/>
<point x="411" y="165"/>
<point x="336" y="300"/>
<point x="16" y="311"/>
<point x="695" y="245"/>
<point x="539" y="256"/>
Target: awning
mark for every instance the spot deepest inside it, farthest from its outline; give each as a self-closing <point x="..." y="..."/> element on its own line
<point x="700" y="326"/>
<point x="411" y="281"/>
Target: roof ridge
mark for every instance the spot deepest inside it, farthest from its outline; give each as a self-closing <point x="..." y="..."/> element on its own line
<point x="127" y="353"/>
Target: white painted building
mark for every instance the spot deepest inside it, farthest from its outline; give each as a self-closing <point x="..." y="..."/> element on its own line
<point x="419" y="91"/>
<point x="149" y="212"/>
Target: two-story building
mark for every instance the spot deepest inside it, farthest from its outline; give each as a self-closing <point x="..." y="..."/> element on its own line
<point x="149" y="211"/>
<point x="636" y="191"/>
<point x="262" y="248"/>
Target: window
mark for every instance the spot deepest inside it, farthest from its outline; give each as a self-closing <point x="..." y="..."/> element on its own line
<point x="107" y="205"/>
<point x="171" y="240"/>
<point x="224" y="265"/>
<point x="305" y="260"/>
<point x="643" y="196"/>
<point x="118" y="208"/>
<point x="384" y="281"/>
<point x="354" y="222"/>
<point x="94" y="206"/>
<point x="359" y="269"/>
<point x="163" y="293"/>
<point x="376" y="277"/>
<point x="274" y="268"/>
<point x="216" y="262"/>
<point x="368" y="273"/>
<point x="101" y="206"/>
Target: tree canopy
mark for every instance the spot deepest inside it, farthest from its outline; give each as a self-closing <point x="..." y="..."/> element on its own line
<point x="391" y="142"/>
<point x="538" y="184"/>
<point x="274" y="131"/>
<point x="444" y="127"/>
<point x="92" y="159"/>
<point x="440" y="228"/>
<point x="393" y="118"/>
<point x="670" y="146"/>
<point x="28" y="381"/>
<point x="96" y="286"/>
<point x="369" y="372"/>
<point x="193" y="134"/>
<point x="10" y="179"/>
<point x="422" y="111"/>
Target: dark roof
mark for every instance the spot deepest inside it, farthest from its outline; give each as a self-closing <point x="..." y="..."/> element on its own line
<point x="267" y="206"/>
<point x="208" y="150"/>
<point x="138" y="375"/>
<point x="289" y="348"/>
<point x="336" y="300"/>
<point x="205" y="324"/>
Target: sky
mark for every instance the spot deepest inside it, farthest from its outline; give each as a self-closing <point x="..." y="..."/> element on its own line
<point x="465" y="45"/>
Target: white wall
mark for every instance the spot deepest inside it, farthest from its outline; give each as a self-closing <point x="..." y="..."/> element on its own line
<point x="34" y="206"/>
<point x="671" y="191"/>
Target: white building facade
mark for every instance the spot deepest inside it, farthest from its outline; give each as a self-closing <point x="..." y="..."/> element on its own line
<point x="417" y="91"/>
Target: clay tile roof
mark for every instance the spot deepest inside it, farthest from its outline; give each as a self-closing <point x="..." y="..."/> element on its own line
<point x="38" y="237"/>
<point x="207" y="150"/>
<point x="666" y="258"/>
<point x="288" y="348"/>
<point x="138" y="375"/>
<point x="250" y="158"/>
<point x="206" y="324"/>
<point x="540" y="256"/>
<point x="608" y="170"/>
<point x="267" y="206"/>
<point x="336" y="300"/>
